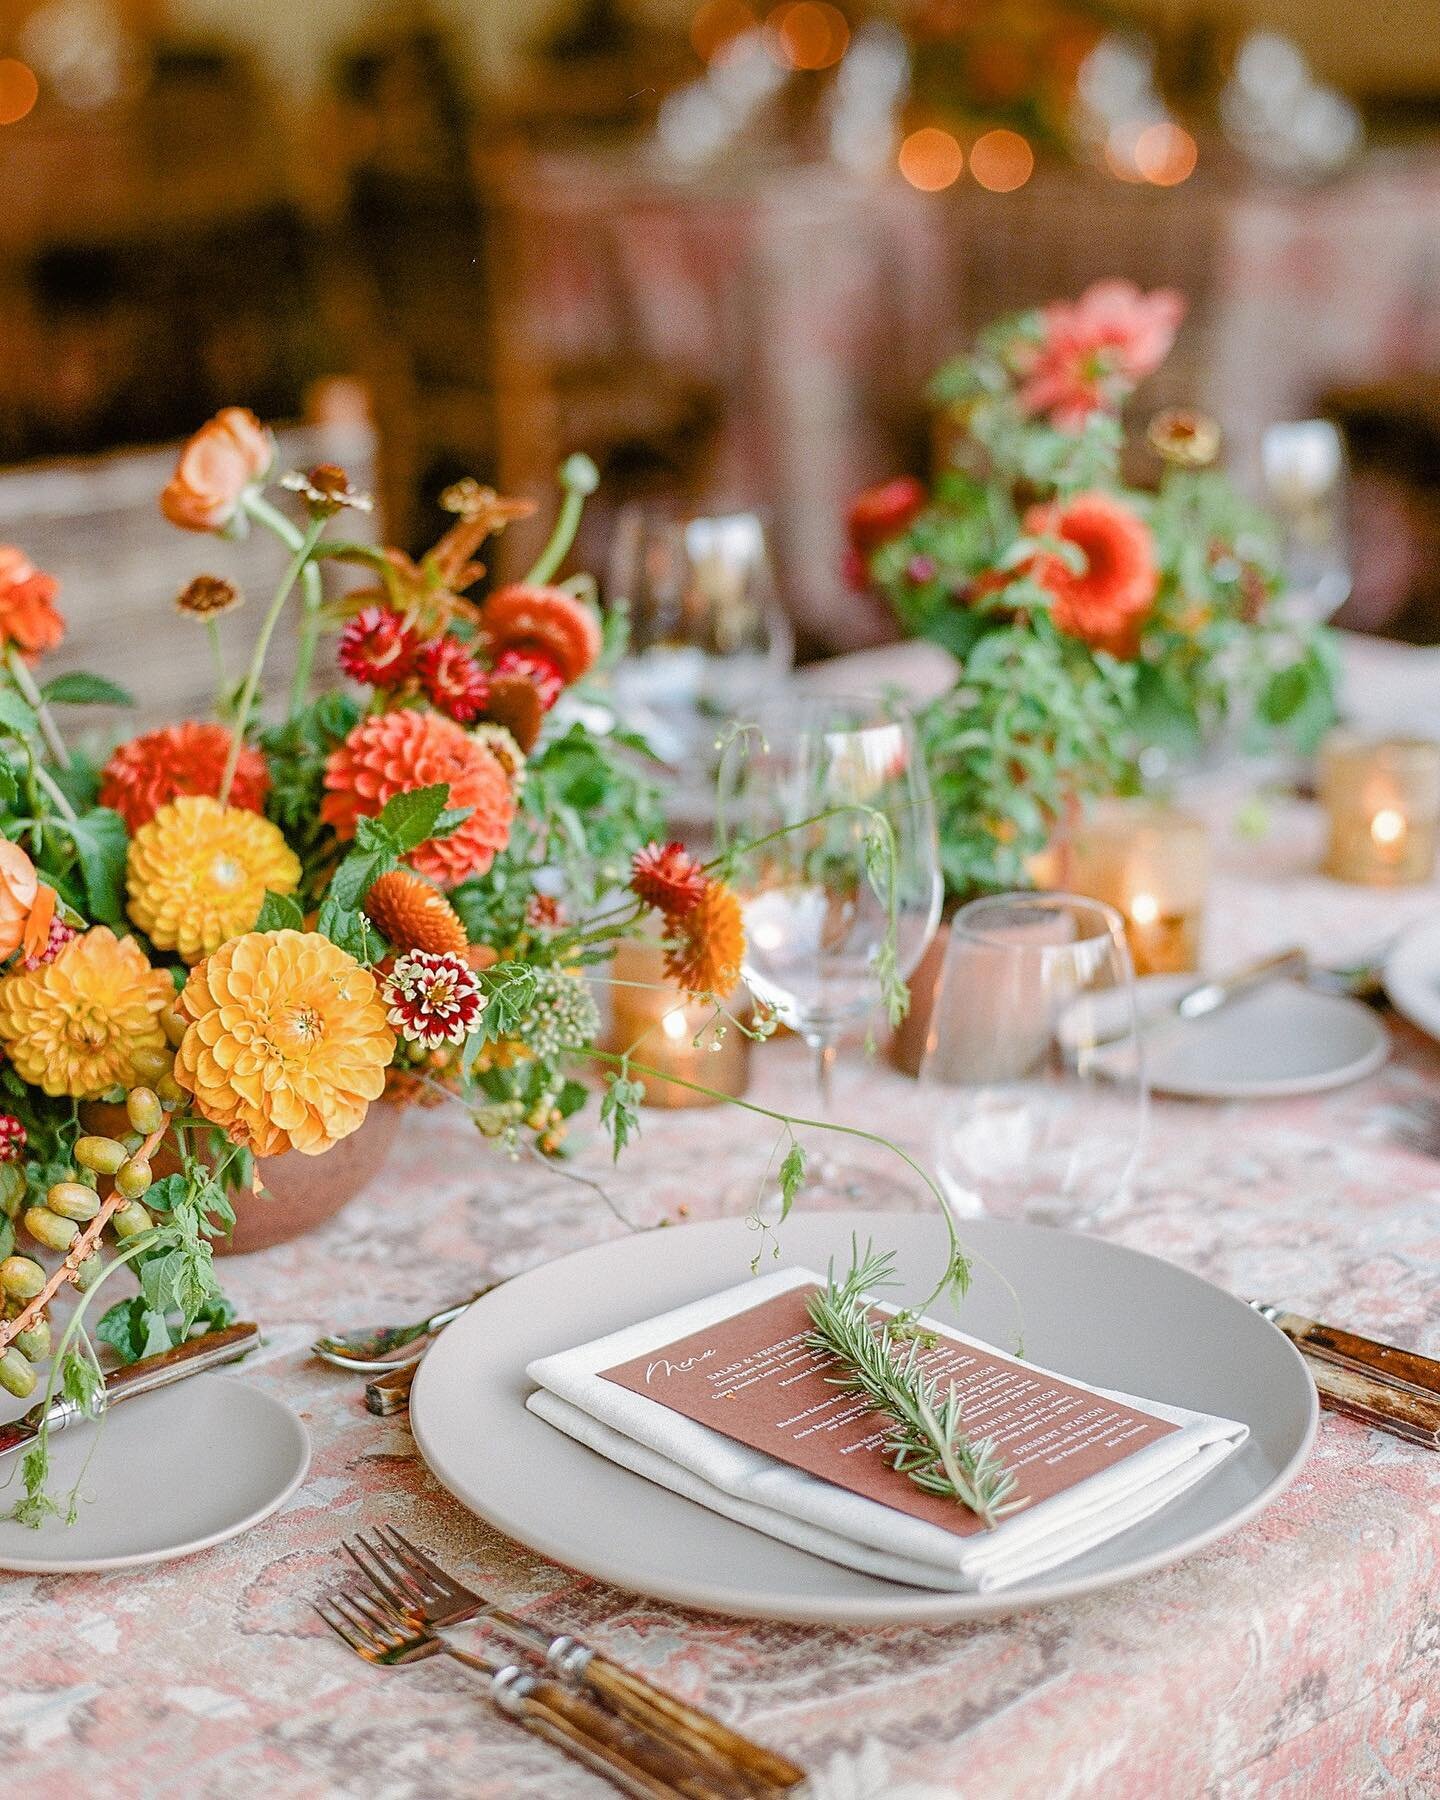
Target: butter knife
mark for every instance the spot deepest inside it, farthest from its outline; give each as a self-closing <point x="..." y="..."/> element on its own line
<point x="144" y="1377"/>
<point x="1405" y="1369"/>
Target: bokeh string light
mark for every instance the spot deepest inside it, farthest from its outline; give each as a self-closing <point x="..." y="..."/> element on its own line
<point x="931" y="159"/>
<point x="1001" y="161"/>
<point x="19" y="90"/>
<point x="807" y="34"/>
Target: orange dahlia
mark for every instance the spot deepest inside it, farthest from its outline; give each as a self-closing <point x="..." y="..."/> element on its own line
<point x="393" y="753"/>
<point x="189" y="758"/>
<point x="28" y="616"/>
<point x="198" y="873"/>
<point x="288" y="1043"/>
<point x="1106" y="603"/>
<point x="705" y="954"/>
<point x="73" y="1026"/>
<point x="668" y="878"/>
<point x="413" y="915"/>
<point x="525" y="617"/>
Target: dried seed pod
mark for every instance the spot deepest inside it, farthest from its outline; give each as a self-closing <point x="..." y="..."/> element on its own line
<point x="174" y="1023"/>
<point x="143" y="1109"/>
<point x="73" y="1200"/>
<point x="170" y="1090"/>
<point x="21" y="1277"/>
<point x="133" y="1178"/>
<point x="89" y="1271"/>
<point x="50" y="1229"/>
<point x="16" y="1375"/>
<point x="102" y="1154"/>
<point x="131" y="1219"/>
<point x="35" y="1344"/>
<point x="150" y="1064"/>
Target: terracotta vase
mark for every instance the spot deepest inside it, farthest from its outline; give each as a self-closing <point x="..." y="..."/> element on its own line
<point x="301" y="1192"/>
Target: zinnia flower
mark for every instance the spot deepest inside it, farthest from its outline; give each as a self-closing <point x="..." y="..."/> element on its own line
<point x="198" y="873"/>
<point x="228" y="455"/>
<point x="207" y="596"/>
<point x="393" y="753"/>
<point x="326" y="490"/>
<point x="534" y="666"/>
<point x="525" y="617"/>
<point x="160" y="766"/>
<point x="13" y="1138"/>
<point x="433" y="999"/>
<point x="668" y="878"/>
<point x="28" y="617"/>
<point x="880" y="513"/>
<point x="288" y="1044"/>
<point x="453" y="680"/>
<point x="378" y="648"/>
<point x="1093" y="350"/>
<point x="413" y="915"/>
<point x="1106" y="603"/>
<point x="705" y="954"/>
<point x="74" y="1026"/>
<point x="1183" y="437"/>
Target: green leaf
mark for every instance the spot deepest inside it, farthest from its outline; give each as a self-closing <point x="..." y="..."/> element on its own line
<point x="450" y="821"/>
<point x="279" y="912"/>
<point x="101" y="840"/>
<point x="161" y="1279"/>
<point x="17" y="716"/>
<point x="355" y="877"/>
<point x="409" y="819"/>
<point x="347" y="927"/>
<point x="620" y="1111"/>
<point x="80" y="689"/>
<point x="509" y="990"/>
<point x="81" y="1382"/>
<point x="132" y="1330"/>
<point x="792" y="1177"/>
<point x="166" y="1194"/>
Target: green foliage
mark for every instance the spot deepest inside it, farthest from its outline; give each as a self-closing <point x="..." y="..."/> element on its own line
<point x="80" y="689"/>
<point x="620" y="1109"/>
<point x="100" y="840"/>
<point x="280" y="912"/>
<point x="296" y="753"/>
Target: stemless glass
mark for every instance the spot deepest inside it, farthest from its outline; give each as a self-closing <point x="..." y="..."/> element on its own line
<point x="816" y="791"/>
<point x="1034" y="1061"/>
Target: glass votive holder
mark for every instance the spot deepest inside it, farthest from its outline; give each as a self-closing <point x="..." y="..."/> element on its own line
<point x="1150" y="862"/>
<point x="1382" y="803"/>
<point x="652" y="1018"/>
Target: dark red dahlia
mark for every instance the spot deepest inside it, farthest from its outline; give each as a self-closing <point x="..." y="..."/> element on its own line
<point x="453" y="679"/>
<point x="433" y="998"/>
<point x="537" y="667"/>
<point x="60" y="935"/>
<point x="12" y="1138"/>
<point x="668" y="878"/>
<point x="378" y="648"/>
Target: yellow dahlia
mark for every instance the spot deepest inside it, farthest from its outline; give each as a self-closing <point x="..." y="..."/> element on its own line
<point x="197" y="873"/>
<point x="708" y="943"/>
<point x="288" y="1044"/>
<point x="74" y="1025"/>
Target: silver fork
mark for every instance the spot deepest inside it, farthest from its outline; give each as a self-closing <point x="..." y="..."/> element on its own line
<point x="545" y="1708"/>
<point x="414" y="1584"/>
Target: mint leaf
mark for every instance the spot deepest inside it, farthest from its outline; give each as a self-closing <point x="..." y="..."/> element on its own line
<point x="80" y="689"/>
<point x="355" y="877"/>
<point x="101" y="840"/>
<point x="450" y="821"/>
<point x="279" y="912"/>
<point x="349" y="929"/>
<point x="411" y="818"/>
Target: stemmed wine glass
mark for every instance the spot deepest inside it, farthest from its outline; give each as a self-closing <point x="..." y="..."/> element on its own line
<point x="840" y="883"/>
<point x="1034" y="1061"/>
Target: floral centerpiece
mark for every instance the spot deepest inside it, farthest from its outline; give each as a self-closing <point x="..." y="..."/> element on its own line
<point x="230" y="938"/>
<point x="1092" y="619"/>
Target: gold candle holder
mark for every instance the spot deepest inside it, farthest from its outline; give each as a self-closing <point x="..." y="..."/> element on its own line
<point x="652" y="1016"/>
<point x="1382" y="801"/>
<point x="1151" y="863"/>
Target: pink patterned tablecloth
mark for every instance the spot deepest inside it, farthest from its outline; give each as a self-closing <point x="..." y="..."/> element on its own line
<point x="1299" y="1658"/>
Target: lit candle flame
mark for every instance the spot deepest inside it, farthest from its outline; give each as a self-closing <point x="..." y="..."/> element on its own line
<point x="1144" y="909"/>
<point x="1388" y="826"/>
<point x="674" y="1025"/>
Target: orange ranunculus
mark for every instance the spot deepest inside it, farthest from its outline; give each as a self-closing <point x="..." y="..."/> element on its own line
<point x="19" y="890"/>
<point x="229" y="453"/>
<point x="28" y="617"/>
<point x="1105" y="604"/>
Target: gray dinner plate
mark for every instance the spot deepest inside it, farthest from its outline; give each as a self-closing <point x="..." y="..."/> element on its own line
<point x="1105" y="1314"/>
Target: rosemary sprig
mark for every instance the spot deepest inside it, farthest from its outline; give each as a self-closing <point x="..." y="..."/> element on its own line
<point x="926" y="1439"/>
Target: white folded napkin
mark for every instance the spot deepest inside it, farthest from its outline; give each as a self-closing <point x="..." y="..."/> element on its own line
<point x="817" y="1515"/>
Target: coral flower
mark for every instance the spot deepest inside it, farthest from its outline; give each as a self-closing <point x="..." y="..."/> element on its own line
<point x="706" y="951"/>
<point x="228" y="455"/>
<point x="57" y="935"/>
<point x="288" y="1044"/>
<point x="1105" y="604"/>
<point x="413" y="915"/>
<point x="1093" y="350"/>
<point x="198" y="873"/>
<point x="526" y="617"/>
<point x="395" y="752"/>
<point x="160" y="766"/>
<point x="453" y="680"/>
<point x="28" y="616"/>
<point x="880" y="513"/>
<point x="534" y="666"/>
<point x="433" y="999"/>
<point x="75" y="1025"/>
<point x="668" y="878"/>
<point x="378" y="648"/>
<point x="19" y="890"/>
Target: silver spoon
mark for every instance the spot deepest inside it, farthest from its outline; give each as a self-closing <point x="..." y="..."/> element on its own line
<point x="376" y="1348"/>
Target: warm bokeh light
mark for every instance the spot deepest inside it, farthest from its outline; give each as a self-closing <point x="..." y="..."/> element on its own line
<point x="807" y="34"/>
<point x="1144" y="909"/>
<point x="1165" y="154"/>
<point x="19" y="90"/>
<point x="717" y="23"/>
<point x="1388" y="826"/>
<point x="1002" y="161"/>
<point x="931" y="159"/>
<point x="1120" y="152"/>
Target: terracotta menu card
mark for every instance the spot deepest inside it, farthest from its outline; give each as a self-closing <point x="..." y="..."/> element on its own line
<point x="752" y="1378"/>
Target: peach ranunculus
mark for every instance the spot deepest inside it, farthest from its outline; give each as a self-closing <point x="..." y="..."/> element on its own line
<point x="27" y="905"/>
<point x="1105" y="603"/>
<point x="228" y="454"/>
<point x="1095" y="349"/>
<point x="28" y="616"/>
